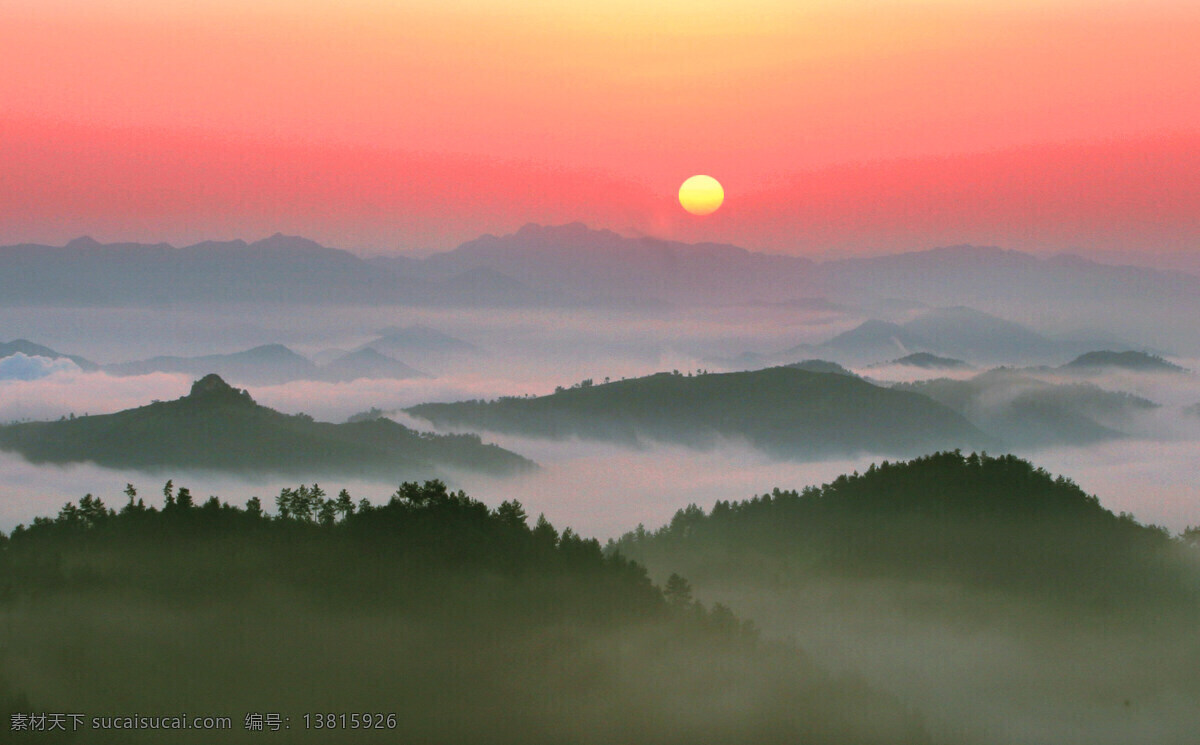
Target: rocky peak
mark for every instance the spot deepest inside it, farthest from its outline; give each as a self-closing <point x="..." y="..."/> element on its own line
<point x="213" y="386"/>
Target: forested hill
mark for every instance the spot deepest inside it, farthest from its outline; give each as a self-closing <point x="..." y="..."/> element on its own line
<point x="991" y="522"/>
<point x="220" y="427"/>
<point x="454" y="622"/>
<point x="783" y="411"/>
<point x="1109" y="360"/>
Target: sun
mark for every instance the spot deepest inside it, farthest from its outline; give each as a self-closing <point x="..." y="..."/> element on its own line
<point x="701" y="195"/>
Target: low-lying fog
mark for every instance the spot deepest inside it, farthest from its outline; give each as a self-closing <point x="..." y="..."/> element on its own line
<point x="600" y="336"/>
<point x="598" y="489"/>
<point x="603" y="490"/>
<point x="978" y="670"/>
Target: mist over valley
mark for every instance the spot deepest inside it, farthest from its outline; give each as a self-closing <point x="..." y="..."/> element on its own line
<point x="761" y="446"/>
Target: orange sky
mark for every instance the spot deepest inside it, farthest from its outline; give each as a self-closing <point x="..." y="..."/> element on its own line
<point x="847" y="125"/>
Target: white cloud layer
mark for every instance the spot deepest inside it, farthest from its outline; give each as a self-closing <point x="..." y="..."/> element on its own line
<point x="20" y="366"/>
<point x="598" y="489"/>
<point x="72" y="391"/>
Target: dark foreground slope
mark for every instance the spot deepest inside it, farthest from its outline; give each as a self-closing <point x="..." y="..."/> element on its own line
<point x="462" y="622"/>
<point x="222" y="428"/>
<point x="1006" y="604"/>
<point x="783" y="411"/>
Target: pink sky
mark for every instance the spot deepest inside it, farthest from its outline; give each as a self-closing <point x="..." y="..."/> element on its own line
<point x="851" y="126"/>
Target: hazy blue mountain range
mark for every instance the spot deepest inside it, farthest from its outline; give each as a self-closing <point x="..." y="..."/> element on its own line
<point x="602" y="266"/>
<point x="600" y="263"/>
<point x="990" y="277"/>
<point x="272" y="364"/>
<point x="418" y="338"/>
<point x="279" y="269"/>
<point x="425" y="347"/>
<point x="974" y="335"/>
<point x="568" y="264"/>
<point x="957" y="333"/>
<point x="785" y="412"/>
<point x="1027" y="412"/>
<point x="871" y="341"/>
<point x="30" y="349"/>
<point x="221" y="428"/>
<point x="367" y="363"/>
<point x="262" y="365"/>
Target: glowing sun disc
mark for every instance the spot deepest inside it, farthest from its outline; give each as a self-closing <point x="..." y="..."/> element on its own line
<point x="701" y="195"/>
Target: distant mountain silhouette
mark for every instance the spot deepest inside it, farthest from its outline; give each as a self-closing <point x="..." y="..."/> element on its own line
<point x="870" y="341"/>
<point x="602" y="266"/>
<point x="988" y="276"/>
<point x="974" y="335"/>
<point x="221" y="428"/>
<point x="418" y="338"/>
<point x="263" y="365"/>
<point x="424" y="347"/>
<point x="367" y="363"/>
<point x="272" y="364"/>
<point x="958" y="333"/>
<point x="1104" y="361"/>
<point x="279" y="269"/>
<point x="568" y="265"/>
<point x="29" y="349"/>
<point x="1026" y="412"/>
<point x="783" y="411"/>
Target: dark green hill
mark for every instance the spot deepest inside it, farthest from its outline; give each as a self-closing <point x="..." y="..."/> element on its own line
<point x="998" y="600"/>
<point x="783" y="411"/>
<point x="821" y="366"/>
<point x="988" y="522"/>
<point x="927" y="361"/>
<point x="222" y="428"/>
<point x="1134" y="361"/>
<point x="454" y="622"/>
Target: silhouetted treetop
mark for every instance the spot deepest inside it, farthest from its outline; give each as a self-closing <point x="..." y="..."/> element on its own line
<point x="332" y="546"/>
